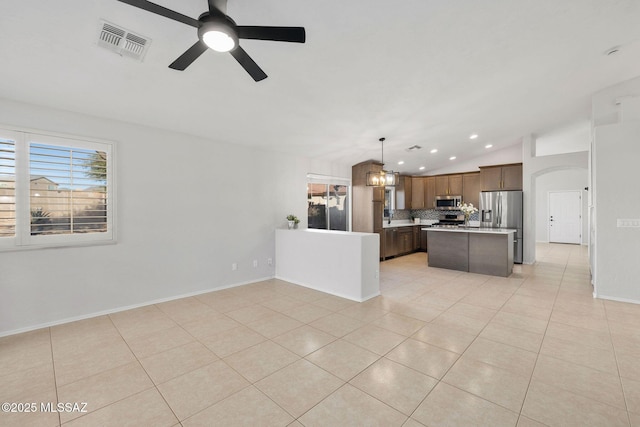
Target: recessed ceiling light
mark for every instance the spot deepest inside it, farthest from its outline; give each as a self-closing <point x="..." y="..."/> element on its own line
<point x="474" y="136"/>
<point x="421" y="168"/>
<point x="488" y="146"/>
<point x="452" y="158"/>
<point x="401" y="162"/>
<point x="435" y="150"/>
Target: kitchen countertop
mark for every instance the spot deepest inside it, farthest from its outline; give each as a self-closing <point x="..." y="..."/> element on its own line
<point x="406" y="223"/>
<point x="474" y="230"/>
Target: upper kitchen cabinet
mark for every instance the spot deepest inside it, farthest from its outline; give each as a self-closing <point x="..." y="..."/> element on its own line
<point x="403" y="193"/>
<point x="429" y="192"/>
<point x="449" y="185"/>
<point x="501" y="177"/>
<point x="417" y="192"/>
<point x="512" y="177"/>
<point x="471" y="188"/>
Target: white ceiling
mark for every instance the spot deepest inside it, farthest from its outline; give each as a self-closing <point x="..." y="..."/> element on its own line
<point x="420" y="72"/>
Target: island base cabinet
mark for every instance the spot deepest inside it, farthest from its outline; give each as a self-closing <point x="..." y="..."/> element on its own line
<point x="491" y="254"/>
<point x="473" y="251"/>
<point x="453" y="250"/>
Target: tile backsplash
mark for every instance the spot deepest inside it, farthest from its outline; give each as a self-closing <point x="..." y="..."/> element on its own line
<point x="431" y="214"/>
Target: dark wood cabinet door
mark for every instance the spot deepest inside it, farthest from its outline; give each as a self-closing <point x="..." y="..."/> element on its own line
<point x="429" y="192"/>
<point x="455" y="185"/>
<point x="417" y="193"/>
<point x="512" y="177"/>
<point x="471" y="188"/>
<point x="442" y="185"/>
<point x="490" y="179"/>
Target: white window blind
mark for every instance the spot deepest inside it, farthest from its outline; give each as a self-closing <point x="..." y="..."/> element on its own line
<point x="7" y="187"/>
<point x="54" y="191"/>
<point x="68" y="190"/>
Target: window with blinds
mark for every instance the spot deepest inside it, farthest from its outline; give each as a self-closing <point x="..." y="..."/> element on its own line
<point x="7" y="188"/>
<point x="54" y="191"/>
<point x="68" y="190"/>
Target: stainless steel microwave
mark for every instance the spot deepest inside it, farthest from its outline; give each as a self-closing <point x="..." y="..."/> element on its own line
<point x="447" y="203"/>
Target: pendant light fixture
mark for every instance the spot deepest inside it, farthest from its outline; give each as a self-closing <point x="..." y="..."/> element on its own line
<point x="383" y="178"/>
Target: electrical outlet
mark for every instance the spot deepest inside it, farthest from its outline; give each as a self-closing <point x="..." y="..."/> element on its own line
<point x="377" y="274"/>
<point x="234" y="266"/>
<point x="255" y="263"/>
<point x="270" y="261"/>
<point x="635" y="222"/>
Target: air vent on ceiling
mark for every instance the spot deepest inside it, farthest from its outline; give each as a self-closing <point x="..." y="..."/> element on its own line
<point x="122" y="41"/>
<point x="414" y="147"/>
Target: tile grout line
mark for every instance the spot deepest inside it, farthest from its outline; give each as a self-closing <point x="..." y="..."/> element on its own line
<point x="535" y="364"/>
<point x="55" y="379"/>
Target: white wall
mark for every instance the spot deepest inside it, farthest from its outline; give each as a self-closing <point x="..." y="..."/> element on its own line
<point x="220" y="204"/>
<point x="614" y="175"/>
<point x="511" y="154"/>
<point x="532" y="169"/>
<point x="570" y="138"/>
<point x="561" y="180"/>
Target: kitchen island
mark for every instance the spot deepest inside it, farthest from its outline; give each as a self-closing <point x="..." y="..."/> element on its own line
<point x="476" y="250"/>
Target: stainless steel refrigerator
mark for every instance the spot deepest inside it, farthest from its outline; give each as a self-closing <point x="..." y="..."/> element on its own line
<point x="503" y="209"/>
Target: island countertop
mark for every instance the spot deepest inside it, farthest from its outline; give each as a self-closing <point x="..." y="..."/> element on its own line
<point x="482" y="230"/>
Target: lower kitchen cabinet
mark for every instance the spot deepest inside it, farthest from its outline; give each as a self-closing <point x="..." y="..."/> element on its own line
<point x="390" y="245"/>
<point x="402" y="241"/>
<point x="423" y="241"/>
<point x="405" y="240"/>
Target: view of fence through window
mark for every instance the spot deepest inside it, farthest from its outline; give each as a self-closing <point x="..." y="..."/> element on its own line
<point x="328" y="206"/>
<point x="68" y="192"/>
<point x="7" y="188"/>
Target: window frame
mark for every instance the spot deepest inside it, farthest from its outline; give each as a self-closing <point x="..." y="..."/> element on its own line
<point x="313" y="178"/>
<point x="23" y="239"/>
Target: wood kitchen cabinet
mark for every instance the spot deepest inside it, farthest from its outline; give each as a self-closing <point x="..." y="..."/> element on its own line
<point x="367" y="202"/>
<point x="501" y="177"/>
<point x="390" y="242"/>
<point x="404" y="240"/>
<point x="417" y="192"/>
<point x="416" y="237"/>
<point x="449" y="185"/>
<point x="471" y="188"/>
<point x="400" y="241"/>
<point x="429" y="192"/>
<point x="403" y="193"/>
<point x="512" y="177"/>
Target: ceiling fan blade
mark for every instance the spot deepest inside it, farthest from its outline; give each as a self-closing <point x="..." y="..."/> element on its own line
<point x="189" y="56"/>
<point x="163" y="11"/>
<point x="248" y="64"/>
<point x="279" y="34"/>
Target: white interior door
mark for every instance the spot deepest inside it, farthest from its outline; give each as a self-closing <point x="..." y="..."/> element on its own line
<point x="565" y="217"/>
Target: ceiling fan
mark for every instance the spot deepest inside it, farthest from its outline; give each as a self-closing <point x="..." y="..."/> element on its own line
<point x="216" y="30"/>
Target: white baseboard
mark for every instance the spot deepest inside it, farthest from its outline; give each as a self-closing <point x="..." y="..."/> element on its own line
<point x="631" y="301"/>
<point x="128" y="307"/>
<point x="336" y="294"/>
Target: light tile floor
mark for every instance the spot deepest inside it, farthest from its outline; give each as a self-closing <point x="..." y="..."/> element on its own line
<point x="438" y="348"/>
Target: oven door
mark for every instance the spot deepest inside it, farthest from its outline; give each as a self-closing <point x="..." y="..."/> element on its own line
<point x="447" y="203"/>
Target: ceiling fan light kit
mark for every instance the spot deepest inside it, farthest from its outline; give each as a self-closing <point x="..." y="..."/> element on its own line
<point x="219" y="32"/>
<point x="218" y="35"/>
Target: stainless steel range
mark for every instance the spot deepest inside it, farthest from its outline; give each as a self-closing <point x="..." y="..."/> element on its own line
<point x="449" y="221"/>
